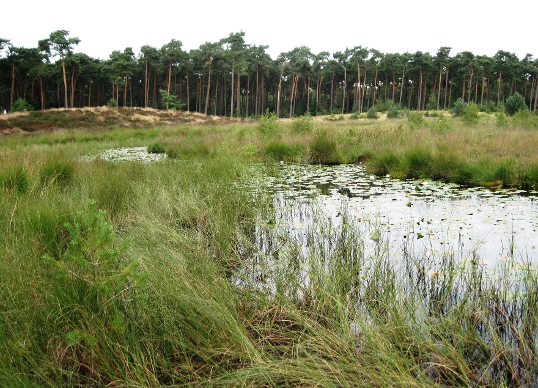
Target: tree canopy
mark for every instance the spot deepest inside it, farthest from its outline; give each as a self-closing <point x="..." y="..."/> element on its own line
<point x="234" y="78"/>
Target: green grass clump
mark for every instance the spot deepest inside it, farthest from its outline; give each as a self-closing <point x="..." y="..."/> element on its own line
<point x="323" y="149"/>
<point x="280" y="151"/>
<point x="156" y="148"/>
<point x="57" y="172"/>
<point x="15" y="179"/>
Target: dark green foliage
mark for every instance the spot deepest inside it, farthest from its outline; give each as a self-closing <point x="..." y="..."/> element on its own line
<point x="459" y="106"/>
<point x="515" y="103"/>
<point x="21" y="105"/>
<point x="15" y="180"/>
<point x="372" y="113"/>
<point x="394" y="112"/>
<point x="357" y="115"/>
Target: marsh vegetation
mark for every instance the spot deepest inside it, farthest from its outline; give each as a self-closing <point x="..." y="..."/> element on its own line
<point x="198" y="270"/>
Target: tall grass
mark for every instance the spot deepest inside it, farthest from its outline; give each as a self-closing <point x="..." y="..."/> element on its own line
<point x="169" y="274"/>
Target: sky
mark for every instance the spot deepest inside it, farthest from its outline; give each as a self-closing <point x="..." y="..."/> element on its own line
<point x="482" y="27"/>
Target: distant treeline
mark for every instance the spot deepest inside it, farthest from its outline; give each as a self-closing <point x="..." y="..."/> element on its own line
<point x="231" y="77"/>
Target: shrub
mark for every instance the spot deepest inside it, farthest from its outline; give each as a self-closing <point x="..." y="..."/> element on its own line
<point x="515" y="103"/>
<point x="357" y="115"/>
<point x="459" y="106"/>
<point x="303" y="124"/>
<point x="21" y="105"/>
<point x="372" y="113"/>
<point x="442" y="124"/>
<point x="470" y="114"/>
<point x="502" y="120"/>
<point x="394" y="112"/>
<point x="268" y="125"/>
<point x="90" y="272"/>
<point x="112" y="103"/>
<point x="415" y="120"/>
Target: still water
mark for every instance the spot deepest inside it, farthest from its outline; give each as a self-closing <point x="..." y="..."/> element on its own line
<point x="474" y="223"/>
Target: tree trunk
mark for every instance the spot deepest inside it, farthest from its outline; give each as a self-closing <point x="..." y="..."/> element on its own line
<point x="65" y="83"/>
<point x="12" y="84"/>
<point x="248" y="94"/>
<point x="402" y="87"/>
<point x="233" y="91"/>
<point x="41" y="92"/>
<point x="344" y="90"/>
<point x="238" y="102"/>
<point x="208" y="86"/>
<point x="308" y="95"/>
<point x="439" y="91"/>
<point x="278" y="94"/>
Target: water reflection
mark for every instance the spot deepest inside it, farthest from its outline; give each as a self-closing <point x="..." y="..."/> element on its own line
<point x="428" y="216"/>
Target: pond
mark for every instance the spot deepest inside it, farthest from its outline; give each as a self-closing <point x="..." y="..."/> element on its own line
<point x="425" y="216"/>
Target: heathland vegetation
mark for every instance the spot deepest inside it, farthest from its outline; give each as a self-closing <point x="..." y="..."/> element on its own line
<point x="129" y="274"/>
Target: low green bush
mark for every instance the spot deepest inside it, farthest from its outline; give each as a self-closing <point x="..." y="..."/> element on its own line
<point x="459" y="106"/>
<point x="372" y="113"/>
<point x="302" y="124"/>
<point x="21" y="105"/>
<point x="415" y="120"/>
<point x="268" y="125"/>
<point x="515" y="103"/>
<point x="470" y="114"/>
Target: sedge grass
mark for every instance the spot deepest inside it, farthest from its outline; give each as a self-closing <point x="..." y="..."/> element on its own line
<point x="219" y="309"/>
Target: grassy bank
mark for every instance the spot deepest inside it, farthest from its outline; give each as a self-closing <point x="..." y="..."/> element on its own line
<point x="131" y="274"/>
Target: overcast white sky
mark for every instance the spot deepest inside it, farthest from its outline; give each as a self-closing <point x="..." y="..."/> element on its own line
<point x="483" y="27"/>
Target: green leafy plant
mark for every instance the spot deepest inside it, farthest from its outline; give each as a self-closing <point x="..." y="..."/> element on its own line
<point x="302" y="124"/>
<point x="470" y="114"/>
<point x="515" y="103"/>
<point x="372" y="113"/>
<point x="459" y="106"/>
<point x="112" y="103"/>
<point x="268" y="125"/>
<point x="91" y="270"/>
<point x="415" y="120"/>
<point x="21" y="105"/>
<point x="394" y="112"/>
